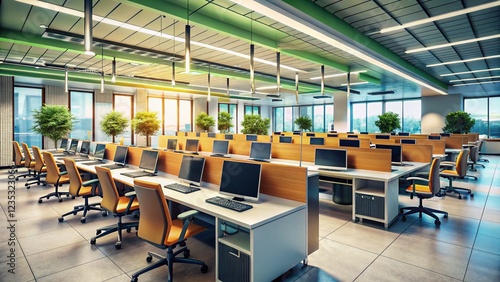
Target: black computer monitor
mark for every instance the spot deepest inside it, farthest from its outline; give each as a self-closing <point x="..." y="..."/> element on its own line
<point x="192" y="145"/>
<point x="172" y="144"/>
<point x="296" y="132"/>
<point x="220" y="147"/>
<point x="434" y="137"/>
<point x="240" y="180"/>
<point x="317" y="141"/>
<point x="352" y="136"/>
<point x="382" y="136"/>
<point x="393" y="132"/>
<point x="310" y="134"/>
<point x="228" y="136"/>
<point x="363" y="132"/>
<point x="260" y="151"/>
<point x="192" y="168"/>
<point x="277" y="133"/>
<point x="332" y="135"/>
<point x="99" y="151"/>
<point x="404" y="133"/>
<point x="121" y="155"/>
<point x="84" y="148"/>
<point x="396" y="152"/>
<point x="211" y="134"/>
<point x="334" y="159"/>
<point x="332" y="131"/>
<point x="349" y="142"/>
<point x="350" y="132"/>
<point x="149" y="160"/>
<point x="251" y="137"/>
<point x="197" y="134"/>
<point x="73" y="146"/>
<point x="408" y="141"/>
<point x="445" y="134"/>
<point x="64" y="144"/>
<point x="285" y="139"/>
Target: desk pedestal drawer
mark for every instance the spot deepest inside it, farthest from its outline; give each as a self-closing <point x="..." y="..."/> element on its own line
<point x="370" y="205"/>
<point x="234" y="265"/>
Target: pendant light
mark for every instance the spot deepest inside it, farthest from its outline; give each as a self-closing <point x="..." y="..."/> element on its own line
<point x="66" y="80"/>
<point x="278" y="76"/>
<point x="297" y="87"/>
<point x="208" y="95"/>
<point x="87" y="28"/>
<point x="173" y="62"/>
<point x="102" y="68"/>
<point x="322" y="96"/>
<point x="252" y="56"/>
<point x="113" y="70"/>
<point x="187" y="42"/>
<point x="227" y="87"/>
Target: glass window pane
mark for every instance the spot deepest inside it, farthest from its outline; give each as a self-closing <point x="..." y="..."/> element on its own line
<point x="373" y="110"/>
<point x="25" y="101"/>
<point x="397" y="108"/>
<point x="319" y="118"/>
<point x="170" y="116"/>
<point x="494" y="117"/>
<point x="478" y="109"/>
<point x="329" y="117"/>
<point x="155" y="105"/>
<point x="185" y="115"/>
<point x="123" y="104"/>
<point x="101" y="109"/>
<point x="288" y="118"/>
<point x="278" y="119"/>
<point x="82" y="107"/>
<point x="412" y="116"/>
<point x="358" y="117"/>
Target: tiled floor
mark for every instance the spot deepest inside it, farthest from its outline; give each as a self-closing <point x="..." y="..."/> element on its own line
<point x="465" y="248"/>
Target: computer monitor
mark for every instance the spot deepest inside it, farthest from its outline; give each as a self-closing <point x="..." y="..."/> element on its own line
<point x="317" y="141"/>
<point x="444" y="134"/>
<point x="192" y="145"/>
<point x="64" y="144"/>
<point x="197" y="134"/>
<point x="352" y="136"/>
<point x="332" y="135"/>
<point x="363" y="132"/>
<point x="404" y="133"/>
<point x="382" y="136"/>
<point x="331" y="159"/>
<point x="408" y="141"/>
<point x="172" y="144"/>
<point x="296" y="132"/>
<point x="260" y="151"/>
<point x="332" y="131"/>
<point x="251" y="137"/>
<point x="211" y="134"/>
<point x="220" y="147"/>
<point x="393" y="133"/>
<point x="228" y="137"/>
<point x="350" y="132"/>
<point x="434" y="137"/>
<point x="310" y="134"/>
<point x="99" y="151"/>
<point x="192" y="168"/>
<point x="277" y="133"/>
<point x="396" y="152"/>
<point x="285" y="139"/>
<point x="84" y="148"/>
<point x="240" y="180"/>
<point x="349" y="142"/>
<point x="73" y="146"/>
<point x="121" y="155"/>
<point x="149" y="161"/>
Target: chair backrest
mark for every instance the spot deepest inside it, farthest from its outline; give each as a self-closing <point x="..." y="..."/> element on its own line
<point x="434" y="181"/>
<point x="155" y="220"/>
<point x="461" y="163"/>
<point x="27" y="155"/>
<point x="75" y="180"/>
<point x="53" y="171"/>
<point x="37" y="154"/>
<point x="18" y="155"/>
<point x="474" y="154"/>
<point x="110" y="196"/>
<point x="480" y="145"/>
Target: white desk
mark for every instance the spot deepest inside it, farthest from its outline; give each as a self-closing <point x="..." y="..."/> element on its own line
<point x="265" y="229"/>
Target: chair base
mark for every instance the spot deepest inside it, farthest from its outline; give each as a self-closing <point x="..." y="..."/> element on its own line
<point x="54" y="194"/>
<point x="85" y="208"/>
<point x="101" y="232"/>
<point x="30" y="173"/>
<point x="456" y="190"/>
<point x="36" y="180"/>
<point x="421" y="209"/>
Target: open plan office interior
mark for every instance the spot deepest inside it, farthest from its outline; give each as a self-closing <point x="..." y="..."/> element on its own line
<point x="341" y="201"/>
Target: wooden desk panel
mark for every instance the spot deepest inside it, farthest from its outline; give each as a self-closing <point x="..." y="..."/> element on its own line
<point x="438" y="146"/>
<point x="417" y="153"/>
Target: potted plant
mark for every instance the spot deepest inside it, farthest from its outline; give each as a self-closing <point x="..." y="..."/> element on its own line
<point x="388" y="122"/>
<point x="204" y="121"/>
<point x="146" y="124"/>
<point x="458" y="122"/>
<point x="224" y="122"/>
<point x="53" y="121"/>
<point x="255" y="124"/>
<point x="114" y="123"/>
<point x="304" y="123"/>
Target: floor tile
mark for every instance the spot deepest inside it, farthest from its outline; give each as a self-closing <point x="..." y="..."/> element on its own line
<point x="50" y="240"/>
<point x="483" y="267"/>
<point x="21" y="271"/>
<point x="487" y="244"/>
<point x="98" y="270"/>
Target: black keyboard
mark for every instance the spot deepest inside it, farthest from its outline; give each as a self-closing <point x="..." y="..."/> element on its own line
<point x="229" y="204"/>
<point x="135" y="174"/>
<point x="113" y="166"/>
<point x="181" y="188"/>
<point x="186" y="152"/>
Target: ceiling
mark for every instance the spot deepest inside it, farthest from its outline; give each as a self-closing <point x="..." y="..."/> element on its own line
<point x="342" y="35"/>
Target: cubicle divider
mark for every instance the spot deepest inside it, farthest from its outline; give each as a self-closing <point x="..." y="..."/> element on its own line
<point x="438" y="146"/>
<point x="417" y="153"/>
<point x="455" y="142"/>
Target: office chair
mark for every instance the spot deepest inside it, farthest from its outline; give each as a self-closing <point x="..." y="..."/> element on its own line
<point x="473" y="158"/>
<point x="424" y="191"/>
<point x="460" y="171"/>
<point x="158" y="228"/>
<point x="29" y="162"/>
<point x="54" y="176"/>
<point x="480" y="145"/>
<point x="114" y="203"/>
<point x="40" y="169"/>
<point x="18" y="156"/>
<point x="78" y="188"/>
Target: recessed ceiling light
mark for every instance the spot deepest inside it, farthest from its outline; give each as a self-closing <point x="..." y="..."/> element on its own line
<point x="472" y="83"/>
<point x="452" y="44"/>
<point x="336" y="75"/>
<point x="475" y="78"/>
<point x="354" y="83"/>
<point x="464" y="61"/>
<point x="466" y="72"/>
<point x="43" y="26"/>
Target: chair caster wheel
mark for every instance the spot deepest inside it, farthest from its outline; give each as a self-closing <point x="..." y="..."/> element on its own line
<point x="104" y="213"/>
<point x="459" y="197"/>
<point x="204" y="268"/>
<point x="83" y="220"/>
<point x="60" y="219"/>
<point x="60" y="200"/>
<point x="39" y="200"/>
<point x="437" y="222"/>
<point x="187" y="253"/>
<point x="182" y="244"/>
<point x="472" y="195"/>
<point x="97" y="232"/>
<point x="403" y="218"/>
<point x="129" y="229"/>
<point x="445" y="215"/>
<point x="73" y="197"/>
<point x="92" y="241"/>
<point x="401" y="211"/>
<point x="134" y="279"/>
<point x="118" y="245"/>
<point x="149" y="258"/>
<point x="74" y="213"/>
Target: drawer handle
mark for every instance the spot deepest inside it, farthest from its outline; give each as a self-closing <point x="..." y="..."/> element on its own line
<point x="236" y="255"/>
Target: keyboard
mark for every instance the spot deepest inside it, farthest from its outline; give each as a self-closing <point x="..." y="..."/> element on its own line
<point x="93" y="163"/>
<point x="181" y="188"/>
<point x="220" y="156"/>
<point x="259" y="160"/>
<point x="186" y="152"/>
<point x="113" y="166"/>
<point x="135" y="174"/>
<point x="229" y="204"/>
<point x="81" y="159"/>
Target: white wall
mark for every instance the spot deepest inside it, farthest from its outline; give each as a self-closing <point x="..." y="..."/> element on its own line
<point x="434" y="110"/>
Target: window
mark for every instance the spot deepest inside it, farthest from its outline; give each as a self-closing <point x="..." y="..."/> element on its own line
<point x="25" y="101"/>
<point x="232" y="110"/>
<point x="288" y="119"/>
<point x="174" y="115"/>
<point x="494" y="117"/>
<point x="321" y="116"/>
<point x="412" y="115"/>
<point x="170" y="116"/>
<point x="486" y="112"/>
<point x="397" y="108"/>
<point x="252" y="110"/>
<point x="278" y="119"/>
<point x="156" y="105"/>
<point x="123" y="104"/>
<point x="373" y="110"/>
<point x="358" y="117"/>
<point x="185" y="115"/>
<point x="81" y="105"/>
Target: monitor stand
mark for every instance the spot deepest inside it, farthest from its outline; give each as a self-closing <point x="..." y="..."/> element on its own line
<point x="239" y="199"/>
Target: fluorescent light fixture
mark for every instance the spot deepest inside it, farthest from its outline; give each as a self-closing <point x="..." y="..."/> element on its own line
<point x="443" y="16"/>
<point x="472" y="83"/>
<point x="354" y="83"/>
<point x="322" y="79"/>
<point x="297" y="87"/>
<point x="66" y="81"/>
<point x="252" y="68"/>
<point x="43" y="26"/>
<point x="227" y="86"/>
<point x="466" y="72"/>
<point x="322" y="97"/>
<point x="337" y="75"/>
<point x="381" y="92"/>
<point x="102" y="83"/>
<point x="267" y="87"/>
<point x="191" y="72"/>
<point x="278" y="59"/>
<point x="276" y="100"/>
<point x="463" y="61"/>
<point x="208" y="90"/>
<point x="452" y="44"/>
<point x="113" y="70"/>
<point x="87" y="28"/>
<point x="173" y="73"/>
<point x="187" y="48"/>
<point x="475" y="78"/>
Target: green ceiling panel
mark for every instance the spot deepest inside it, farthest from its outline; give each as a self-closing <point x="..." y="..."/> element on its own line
<point x="304" y="55"/>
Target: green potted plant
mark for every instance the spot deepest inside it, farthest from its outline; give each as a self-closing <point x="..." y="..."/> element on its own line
<point x="113" y="124"/>
<point x="53" y="121"/>
<point x="388" y="122"/>
<point x="224" y="122"/>
<point x="204" y="121"/>
<point x="304" y="123"/>
<point x="255" y="124"/>
<point x="146" y="124"/>
<point x="459" y="122"/>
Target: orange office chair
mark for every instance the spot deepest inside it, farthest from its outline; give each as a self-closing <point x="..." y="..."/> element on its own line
<point x="78" y="188"/>
<point x="474" y="158"/>
<point x="480" y="147"/>
<point x="29" y="162"/>
<point x="18" y="155"/>
<point x="158" y="228"/>
<point x="112" y="202"/>
<point x="40" y="169"/>
<point x="425" y="191"/>
<point x="54" y="176"/>
<point x="460" y="171"/>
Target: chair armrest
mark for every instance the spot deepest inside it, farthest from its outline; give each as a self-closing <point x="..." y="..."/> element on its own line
<point x="414" y="178"/>
<point x="445" y="163"/>
<point x="131" y="195"/>
<point x="90" y="182"/>
<point x="186" y="218"/>
<point x="63" y="173"/>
